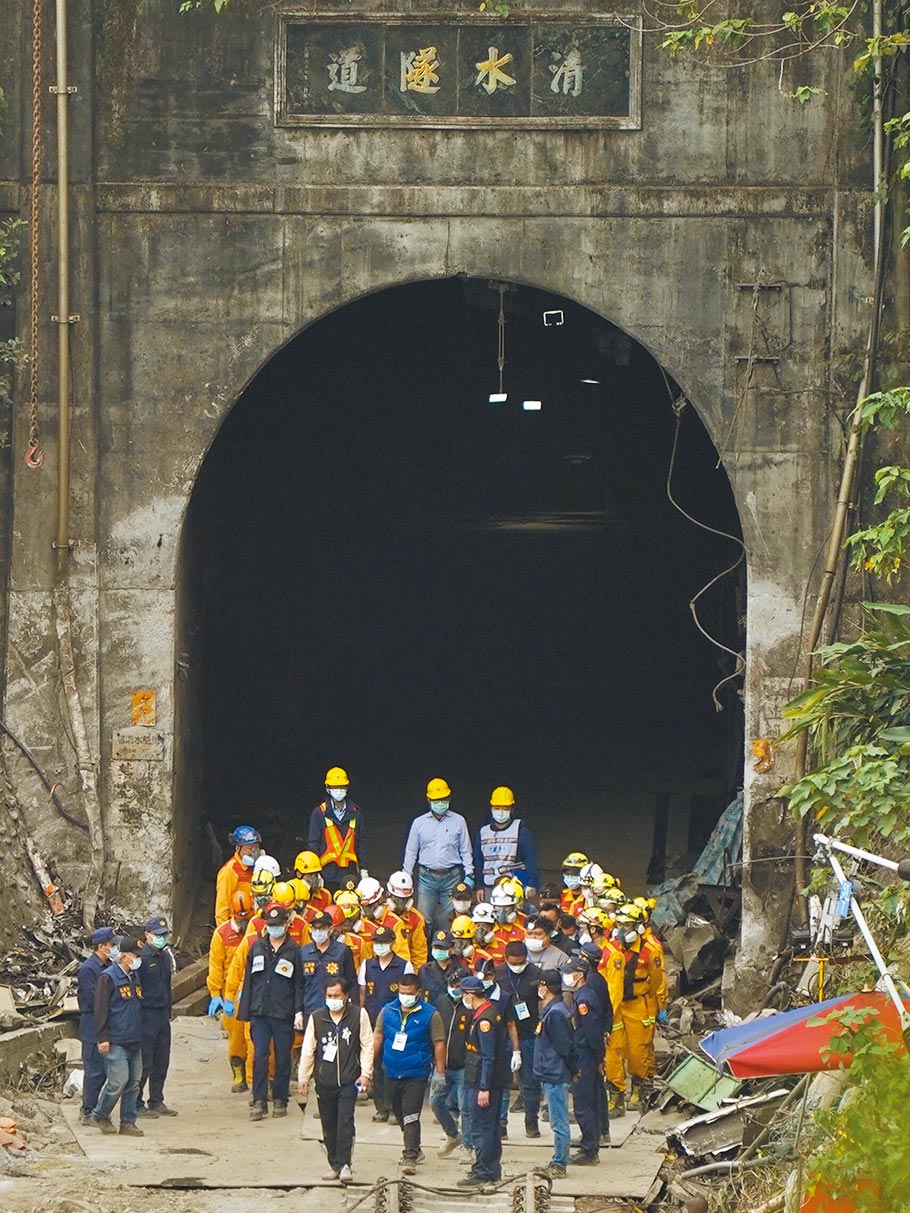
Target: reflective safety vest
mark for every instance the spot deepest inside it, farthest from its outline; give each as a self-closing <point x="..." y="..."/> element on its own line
<point x="338" y="850"/>
<point x="498" y="847"/>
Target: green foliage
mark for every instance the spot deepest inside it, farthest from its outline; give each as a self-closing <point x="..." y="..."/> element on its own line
<point x="731" y="33"/>
<point x="864" y="1153"/>
<point x="187" y="6"/>
<point x="883" y="408"/>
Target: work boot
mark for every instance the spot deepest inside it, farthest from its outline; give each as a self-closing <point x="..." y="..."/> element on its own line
<point x="161" y="1109"/>
<point x="259" y="1110"/>
<point x="581" y="1159"/>
<point x="408" y="1166"/>
<point x="147" y="1113"/>
<point x="451" y="1143"/>
<point x="280" y="1108"/>
<point x="532" y="1129"/>
<point x="85" y="1118"/>
<point x="238" y="1069"/>
<point x="104" y="1123"/>
<point x="555" y="1171"/>
<point x="617" y="1104"/>
<point x="131" y="1129"/>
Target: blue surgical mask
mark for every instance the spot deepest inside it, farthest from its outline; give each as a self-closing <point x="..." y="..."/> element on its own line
<point x="158" y="941"/>
<point x="571" y="882"/>
<point x="276" y="932"/>
<point x="407" y="1000"/>
<point x="248" y="861"/>
<point x="454" y="993"/>
<point x="335" y="1004"/>
<point x="441" y="953"/>
<point x="319" y="936"/>
<point x="137" y="964"/>
<point x="439" y="807"/>
<point x="114" y="954"/>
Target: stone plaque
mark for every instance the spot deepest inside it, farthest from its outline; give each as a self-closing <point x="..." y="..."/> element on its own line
<point x="459" y="71"/>
<point x="137" y="744"/>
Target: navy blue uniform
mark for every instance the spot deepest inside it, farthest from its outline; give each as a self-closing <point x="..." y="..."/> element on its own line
<point x="273" y="992"/>
<point x="336" y="961"/>
<point x="156" y="971"/>
<point x="588" y="1092"/>
<point x="92" y="1061"/>
<point x="487" y="1069"/>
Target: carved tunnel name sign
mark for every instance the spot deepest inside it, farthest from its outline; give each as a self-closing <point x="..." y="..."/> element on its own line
<point x="459" y="72"/>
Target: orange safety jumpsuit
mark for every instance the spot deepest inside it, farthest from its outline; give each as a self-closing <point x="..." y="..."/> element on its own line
<point x="357" y="945"/>
<point x="226" y="939"/>
<point x="319" y="902"/>
<point x="414" y="929"/>
<point x="230" y="876"/>
<point x="401" y="947"/>
<point x="571" y="901"/>
<point x="504" y="933"/>
<point x="633" y="977"/>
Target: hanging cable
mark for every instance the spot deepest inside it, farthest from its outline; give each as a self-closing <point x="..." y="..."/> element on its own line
<point x="34" y="453"/>
<point x="679" y="405"/>
<point x="501" y="324"/>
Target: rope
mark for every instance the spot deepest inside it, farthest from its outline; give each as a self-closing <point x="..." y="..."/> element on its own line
<point x="501" y="326"/>
<point x="34" y="454"/>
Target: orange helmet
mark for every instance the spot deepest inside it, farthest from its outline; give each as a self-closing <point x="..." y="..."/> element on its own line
<point x="242" y="904"/>
<point x="337" y="915"/>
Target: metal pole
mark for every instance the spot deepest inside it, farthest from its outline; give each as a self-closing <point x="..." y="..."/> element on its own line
<point x="63" y="318"/>
<point x="833" y="844"/>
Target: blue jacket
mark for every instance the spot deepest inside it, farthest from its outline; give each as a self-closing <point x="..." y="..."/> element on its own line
<point x="554" y="1044"/>
<point x="416" y="1058"/>
<point x="157" y="971"/>
<point x="86" y="982"/>
<point x="336" y="961"/>
<point x="118" y="1008"/>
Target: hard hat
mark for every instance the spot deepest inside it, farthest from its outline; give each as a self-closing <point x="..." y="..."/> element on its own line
<point x="574" y="862"/>
<point x="589" y="874"/>
<point x="245" y="836"/>
<point x="503" y="895"/>
<point x="513" y="884"/>
<point x="337" y="915"/>
<point x="646" y="905"/>
<point x="369" y="891"/>
<point x="593" y="916"/>
<point x="261" y="883"/>
<point x="336" y="778"/>
<point x="301" y="890"/>
<point x="630" y="912"/>
<point x="483" y="913"/>
<point x="307" y="863"/>
<point x="283" y="893"/>
<point x="269" y="864"/>
<point x="241" y="903"/>
<point x="502" y="798"/>
<point x="349" y="902"/>
<point x="438" y="789"/>
<point x="463" y="927"/>
<point x="400" y="884"/>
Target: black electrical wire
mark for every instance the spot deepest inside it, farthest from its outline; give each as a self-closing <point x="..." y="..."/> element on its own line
<point x="51" y="787"/>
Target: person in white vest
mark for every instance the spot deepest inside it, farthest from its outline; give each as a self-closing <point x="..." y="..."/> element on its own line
<point x="504" y="845"/>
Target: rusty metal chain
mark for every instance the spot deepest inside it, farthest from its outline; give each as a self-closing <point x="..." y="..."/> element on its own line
<point x="34" y="454"/>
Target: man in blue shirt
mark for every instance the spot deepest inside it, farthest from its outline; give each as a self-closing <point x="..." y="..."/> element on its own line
<point x="86" y="981"/>
<point x="438" y="852"/>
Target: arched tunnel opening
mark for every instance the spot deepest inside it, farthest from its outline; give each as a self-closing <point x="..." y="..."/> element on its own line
<point x="384" y="568"/>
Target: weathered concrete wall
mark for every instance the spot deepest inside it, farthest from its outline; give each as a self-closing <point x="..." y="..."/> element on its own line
<point x="206" y="237"/>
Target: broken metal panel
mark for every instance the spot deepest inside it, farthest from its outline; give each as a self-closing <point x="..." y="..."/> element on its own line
<point x="720" y="1133"/>
<point x="700" y="1084"/>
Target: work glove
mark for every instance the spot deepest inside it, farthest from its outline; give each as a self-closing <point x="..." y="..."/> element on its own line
<point x="215" y="1005"/>
<point x="229" y="1007"/>
<point x="663" y="1018"/>
<point x="516" y="1062"/>
<point x="437" y="1084"/>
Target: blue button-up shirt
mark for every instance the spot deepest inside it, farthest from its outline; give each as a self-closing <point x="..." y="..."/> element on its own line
<point x="439" y="842"/>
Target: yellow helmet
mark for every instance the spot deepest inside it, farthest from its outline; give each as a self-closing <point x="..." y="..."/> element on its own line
<point x="283" y="893"/>
<point x="307" y="863"/>
<point x="595" y="916"/>
<point x="646" y="905"/>
<point x="336" y="778"/>
<point x="630" y="912"/>
<point x="438" y="789"/>
<point x="261" y="883"/>
<point x="349" y="902"/>
<point x="605" y="884"/>
<point x="502" y="798"/>
<point x="574" y="862"/>
<point x="513" y="884"/>
<point x="463" y="927"/>
<point x="301" y="890"/>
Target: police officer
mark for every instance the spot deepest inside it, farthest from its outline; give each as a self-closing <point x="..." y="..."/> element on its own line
<point x="487" y="1076"/>
<point x="452" y="1101"/>
<point x="592" y="1023"/>
<point x="118" y="1030"/>
<point x="158" y="965"/>
<point x="321" y="958"/>
<point x="518" y="979"/>
<point x="379" y="978"/>
<point x="555" y="1064"/>
<point x="436" y="975"/>
<point x="462" y="900"/>
<point x="86" y="981"/>
<point x="272" y="996"/>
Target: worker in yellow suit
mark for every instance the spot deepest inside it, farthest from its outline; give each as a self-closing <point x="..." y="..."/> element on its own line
<point x="647" y="904"/>
<point x="237" y="871"/>
<point x="633" y="971"/>
<point x="226" y="939"/>
<point x="400" y="887"/>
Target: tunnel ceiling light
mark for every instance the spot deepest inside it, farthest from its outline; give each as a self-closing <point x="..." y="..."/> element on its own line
<point x="532" y="406"/>
<point x="498" y="397"/>
<point x="593" y="381"/>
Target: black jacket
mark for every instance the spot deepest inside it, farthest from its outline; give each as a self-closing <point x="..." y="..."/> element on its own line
<point x="455" y="1019"/>
<point x="434" y="980"/>
<point x="521" y="989"/>
<point x="273" y="984"/>
<point x="156" y="973"/>
<point x="487" y="1050"/>
<point x="345" y="1035"/>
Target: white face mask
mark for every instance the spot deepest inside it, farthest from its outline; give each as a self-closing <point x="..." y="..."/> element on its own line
<point x="439" y="807"/>
<point x="407" y="1000"/>
<point x="534" y="945"/>
<point x="338" y="794"/>
<point x="568" y="981"/>
<point x="319" y="936"/>
<point x="584" y="937"/>
<point x="382" y="949"/>
<point x="335" y="1004"/>
<point x="518" y="968"/>
<point x="461" y="907"/>
<point x="500" y="816"/>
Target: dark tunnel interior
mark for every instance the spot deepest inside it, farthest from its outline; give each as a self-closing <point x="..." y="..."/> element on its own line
<point x="382" y="569"/>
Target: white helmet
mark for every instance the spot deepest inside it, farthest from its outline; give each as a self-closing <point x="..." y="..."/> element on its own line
<point x="269" y="863"/>
<point x="369" y="891"/>
<point x="483" y="912"/>
<point x="503" y="897"/>
<point x="588" y="874"/>
<point x="400" y="885"/>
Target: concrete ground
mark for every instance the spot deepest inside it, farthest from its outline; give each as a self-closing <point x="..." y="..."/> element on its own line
<point x="211" y="1156"/>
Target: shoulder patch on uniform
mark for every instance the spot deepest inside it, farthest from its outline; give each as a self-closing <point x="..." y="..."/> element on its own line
<point x="485" y="1025"/>
<point x="582" y="1008"/>
<point x="617" y="963"/>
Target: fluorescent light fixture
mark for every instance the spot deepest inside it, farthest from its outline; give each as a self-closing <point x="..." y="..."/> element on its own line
<point x="532" y="406"/>
<point x="498" y="397"/>
<point x="594" y="381"/>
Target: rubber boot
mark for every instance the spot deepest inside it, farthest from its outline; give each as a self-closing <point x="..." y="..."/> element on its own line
<point x="238" y="1069"/>
<point x="617" y="1104"/>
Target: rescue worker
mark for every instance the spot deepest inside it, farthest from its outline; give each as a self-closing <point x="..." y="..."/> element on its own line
<point x="414" y="926"/>
<point x="608" y="894"/>
<point x="261" y="884"/>
<point x="118" y="1030"/>
<point x="487" y="1077"/>
<point x="350" y="931"/>
<point x="464" y="947"/>
<point x="376" y="913"/>
<point x="288" y="894"/>
<point x="336" y="834"/>
<point x="555" y="1064"/>
<point x="321" y="958"/>
<point x="226" y="939"/>
<point x="462" y="900"/>
<point x="484" y="927"/>
<point x="158" y="967"/>
<point x="504" y="844"/>
<point x="86" y="982"/>
<point x="592" y="1021"/>
<point x="506" y="928"/>
<point x="590" y="873"/>
<point x="436" y="975"/>
<point x="646" y="905"/>
<point x="541" y="950"/>
<point x="438" y="853"/>
<point x="571" y="899"/>
<point x="452" y="1101"/>
<point x="410" y="1041"/>
<point x="379" y="979"/>
<point x="338" y="1050"/>
<point x="634" y="972"/>
<point x="308" y="867"/>
<point x="518" y="979"/>
<point x="271" y="1001"/>
<point x="262" y="879"/>
<point x="237" y="871"/>
<point x="267" y="863"/>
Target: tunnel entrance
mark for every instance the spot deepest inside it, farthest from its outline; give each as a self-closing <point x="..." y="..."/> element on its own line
<point x="382" y="568"/>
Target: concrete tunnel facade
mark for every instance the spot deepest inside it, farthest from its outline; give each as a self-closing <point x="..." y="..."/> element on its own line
<point x="726" y="236"/>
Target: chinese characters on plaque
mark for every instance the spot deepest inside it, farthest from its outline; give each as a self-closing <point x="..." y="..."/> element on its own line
<point x="364" y="72"/>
